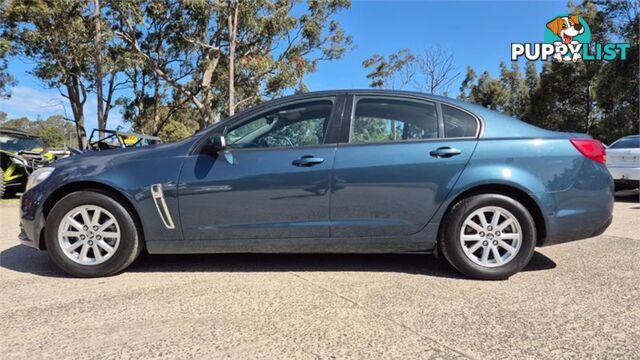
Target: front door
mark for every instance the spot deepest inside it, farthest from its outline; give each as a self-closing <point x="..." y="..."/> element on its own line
<point x="271" y="182"/>
<point x="402" y="159"/>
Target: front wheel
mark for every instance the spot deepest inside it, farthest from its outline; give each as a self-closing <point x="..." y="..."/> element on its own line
<point x="89" y="234"/>
<point x="488" y="236"/>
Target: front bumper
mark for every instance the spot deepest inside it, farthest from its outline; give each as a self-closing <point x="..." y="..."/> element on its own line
<point x="32" y="219"/>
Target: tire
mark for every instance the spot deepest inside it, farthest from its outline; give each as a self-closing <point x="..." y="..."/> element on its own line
<point x="2" y="184"/>
<point x="514" y="245"/>
<point x="125" y="247"/>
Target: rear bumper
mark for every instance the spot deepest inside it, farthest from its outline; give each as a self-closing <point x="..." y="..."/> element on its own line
<point x="624" y="173"/>
<point x="563" y="230"/>
<point x="626" y="184"/>
<point x="584" y="210"/>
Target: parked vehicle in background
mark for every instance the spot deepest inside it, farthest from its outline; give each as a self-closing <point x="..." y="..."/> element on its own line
<point x="357" y="171"/>
<point x="623" y="162"/>
<point x="20" y="155"/>
<point x="115" y="139"/>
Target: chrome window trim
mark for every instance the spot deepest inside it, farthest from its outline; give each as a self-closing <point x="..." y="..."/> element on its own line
<point x="252" y="113"/>
<point x="438" y="103"/>
<point x="357" y="98"/>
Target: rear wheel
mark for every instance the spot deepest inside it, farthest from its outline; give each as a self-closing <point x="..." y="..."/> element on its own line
<point x="488" y="236"/>
<point x="88" y="234"/>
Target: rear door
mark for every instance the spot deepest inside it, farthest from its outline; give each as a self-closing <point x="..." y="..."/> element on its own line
<point x="400" y="159"/>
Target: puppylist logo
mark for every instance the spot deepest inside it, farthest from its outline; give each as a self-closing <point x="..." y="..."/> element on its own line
<point x="567" y="38"/>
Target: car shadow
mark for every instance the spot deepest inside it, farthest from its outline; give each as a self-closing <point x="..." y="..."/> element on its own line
<point x="27" y="260"/>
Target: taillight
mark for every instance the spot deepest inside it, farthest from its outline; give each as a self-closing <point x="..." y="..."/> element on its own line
<point x="592" y="149"/>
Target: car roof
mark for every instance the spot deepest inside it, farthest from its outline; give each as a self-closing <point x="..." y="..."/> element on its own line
<point x="16" y="132"/>
<point x="371" y="92"/>
<point x="358" y="92"/>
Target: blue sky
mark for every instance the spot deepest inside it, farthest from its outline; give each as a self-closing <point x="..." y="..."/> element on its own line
<point x="478" y="32"/>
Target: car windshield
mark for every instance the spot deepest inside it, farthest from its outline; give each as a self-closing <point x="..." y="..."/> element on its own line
<point x="11" y="142"/>
<point x="626" y="143"/>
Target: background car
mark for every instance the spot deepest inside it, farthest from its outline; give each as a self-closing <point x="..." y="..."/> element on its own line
<point x="623" y="161"/>
<point x="339" y="171"/>
<point x="20" y="154"/>
<point x="116" y="139"/>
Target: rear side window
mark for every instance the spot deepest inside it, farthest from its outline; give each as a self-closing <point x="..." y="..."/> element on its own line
<point x="458" y="123"/>
<point x="626" y="143"/>
<point x="383" y="120"/>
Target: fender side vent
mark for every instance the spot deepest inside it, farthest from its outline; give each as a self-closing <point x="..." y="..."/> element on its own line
<point x="161" y="205"/>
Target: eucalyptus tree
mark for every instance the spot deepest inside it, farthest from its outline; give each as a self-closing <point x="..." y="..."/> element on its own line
<point x="6" y="80"/>
<point x="395" y="71"/>
<point x="431" y="70"/>
<point x="516" y="85"/>
<point x="72" y="49"/>
<point x="224" y="55"/>
<point x="53" y="34"/>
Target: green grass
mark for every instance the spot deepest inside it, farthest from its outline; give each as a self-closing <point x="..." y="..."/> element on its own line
<point x="9" y="201"/>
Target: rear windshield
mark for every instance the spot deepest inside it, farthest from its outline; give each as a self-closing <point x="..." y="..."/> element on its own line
<point x="626" y="143"/>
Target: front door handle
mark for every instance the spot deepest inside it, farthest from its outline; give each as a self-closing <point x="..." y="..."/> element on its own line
<point x="445" y="152"/>
<point x="307" y="160"/>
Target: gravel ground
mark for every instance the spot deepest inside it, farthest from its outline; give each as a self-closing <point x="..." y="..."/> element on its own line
<point x="576" y="300"/>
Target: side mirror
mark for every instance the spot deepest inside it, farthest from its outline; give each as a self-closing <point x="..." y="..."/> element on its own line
<point x="214" y="144"/>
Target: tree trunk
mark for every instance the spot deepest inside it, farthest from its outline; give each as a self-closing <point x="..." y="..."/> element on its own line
<point x="233" y="26"/>
<point x="77" y="107"/>
<point x="98" y="63"/>
<point x="588" y="124"/>
<point x="206" y="115"/>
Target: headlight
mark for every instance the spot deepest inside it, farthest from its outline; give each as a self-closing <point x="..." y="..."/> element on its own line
<point x="38" y="176"/>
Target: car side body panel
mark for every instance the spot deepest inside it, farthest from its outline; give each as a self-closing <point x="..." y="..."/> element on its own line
<point x="256" y="194"/>
<point x="392" y="189"/>
<point x="129" y="172"/>
<point x="574" y="194"/>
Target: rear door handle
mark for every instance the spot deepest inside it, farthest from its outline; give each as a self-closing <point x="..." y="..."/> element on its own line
<point x="307" y="160"/>
<point x="445" y="152"/>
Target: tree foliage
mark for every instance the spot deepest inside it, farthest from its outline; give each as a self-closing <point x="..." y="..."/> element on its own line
<point x="595" y="97"/>
<point x="431" y="70"/>
<point x="211" y="56"/>
<point x="221" y="56"/>
<point x="6" y="80"/>
<point x="55" y="131"/>
<point x="54" y="35"/>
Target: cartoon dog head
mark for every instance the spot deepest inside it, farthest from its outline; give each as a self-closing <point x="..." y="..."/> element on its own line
<point x="566" y="27"/>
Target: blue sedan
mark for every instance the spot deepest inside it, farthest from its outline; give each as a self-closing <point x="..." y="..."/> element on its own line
<point x="359" y="171"/>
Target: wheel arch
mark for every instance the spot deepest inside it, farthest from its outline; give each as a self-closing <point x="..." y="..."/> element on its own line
<point x="108" y="190"/>
<point x="507" y="190"/>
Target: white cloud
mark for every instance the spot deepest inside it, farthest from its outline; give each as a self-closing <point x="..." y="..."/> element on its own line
<point x="26" y="101"/>
<point x="41" y="103"/>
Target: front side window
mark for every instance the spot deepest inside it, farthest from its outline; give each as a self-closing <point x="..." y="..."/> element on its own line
<point x="458" y="123"/>
<point x="301" y="124"/>
<point x="384" y="120"/>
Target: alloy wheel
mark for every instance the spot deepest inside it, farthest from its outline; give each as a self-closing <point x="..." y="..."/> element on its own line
<point x="89" y="235"/>
<point x="491" y="236"/>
